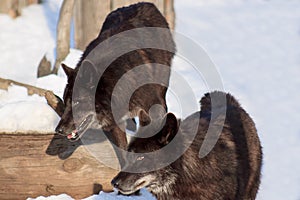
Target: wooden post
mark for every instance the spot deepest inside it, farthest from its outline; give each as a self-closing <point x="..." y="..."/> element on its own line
<point x="14" y="7"/>
<point x="89" y="16"/>
<point x="63" y="33"/>
<point x="169" y="13"/>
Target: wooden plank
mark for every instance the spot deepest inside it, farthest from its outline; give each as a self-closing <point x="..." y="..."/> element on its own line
<point x="26" y="170"/>
<point x="88" y="19"/>
<point x="14" y="7"/>
<point x="169" y="13"/>
<point x="5" y="6"/>
<point x="63" y="33"/>
<point x="90" y="15"/>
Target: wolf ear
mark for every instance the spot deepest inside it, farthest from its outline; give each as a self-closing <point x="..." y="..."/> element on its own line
<point x="169" y="129"/>
<point x="144" y="118"/>
<point x="68" y="70"/>
<point x="88" y="74"/>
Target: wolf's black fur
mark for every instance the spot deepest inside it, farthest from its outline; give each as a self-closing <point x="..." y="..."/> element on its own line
<point x="231" y="171"/>
<point x="135" y="16"/>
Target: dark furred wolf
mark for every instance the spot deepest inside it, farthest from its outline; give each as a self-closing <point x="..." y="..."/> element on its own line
<point x="230" y="171"/>
<point x="123" y="19"/>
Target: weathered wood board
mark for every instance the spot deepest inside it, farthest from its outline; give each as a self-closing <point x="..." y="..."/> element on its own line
<point x="27" y="169"/>
<point x="90" y="15"/>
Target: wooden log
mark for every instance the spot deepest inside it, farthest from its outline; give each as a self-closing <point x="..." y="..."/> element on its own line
<point x="27" y="171"/>
<point x="53" y="101"/>
<point x="44" y="67"/>
<point x="169" y="13"/>
<point x="14" y="7"/>
<point x="5" y="83"/>
<point x="88" y="19"/>
<point x="90" y="15"/>
<point x="63" y="33"/>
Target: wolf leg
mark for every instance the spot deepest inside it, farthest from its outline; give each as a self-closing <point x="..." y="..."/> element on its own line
<point x="118" y="137"/>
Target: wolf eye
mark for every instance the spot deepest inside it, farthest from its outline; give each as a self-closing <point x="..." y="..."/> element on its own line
<point x="140" y="158"/>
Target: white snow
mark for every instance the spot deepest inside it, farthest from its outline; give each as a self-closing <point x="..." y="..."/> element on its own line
<point x="144" y="195"/>
<point x="53" y="197"/>
<point x="254" y="44"/>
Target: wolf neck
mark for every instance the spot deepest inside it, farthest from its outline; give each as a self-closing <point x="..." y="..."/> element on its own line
<point x="182" y="183"/>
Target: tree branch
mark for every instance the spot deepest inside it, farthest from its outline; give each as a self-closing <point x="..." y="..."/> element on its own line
<point x="53" y="101"/>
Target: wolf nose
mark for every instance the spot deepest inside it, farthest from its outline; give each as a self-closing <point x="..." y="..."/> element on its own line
<point x="115" y="183"/>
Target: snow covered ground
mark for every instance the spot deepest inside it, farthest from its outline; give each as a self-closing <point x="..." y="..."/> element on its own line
<point x="254" y="44"/>
<point x="144" y="195"/>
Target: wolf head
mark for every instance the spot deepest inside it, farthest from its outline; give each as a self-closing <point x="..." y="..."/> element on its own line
<point x="79" y="113"/>
<point x="129" y="182"/>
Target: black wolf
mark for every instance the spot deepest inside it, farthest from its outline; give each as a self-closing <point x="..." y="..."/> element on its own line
<point x="230" y="171"/>
<point x="139" y="15"/>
